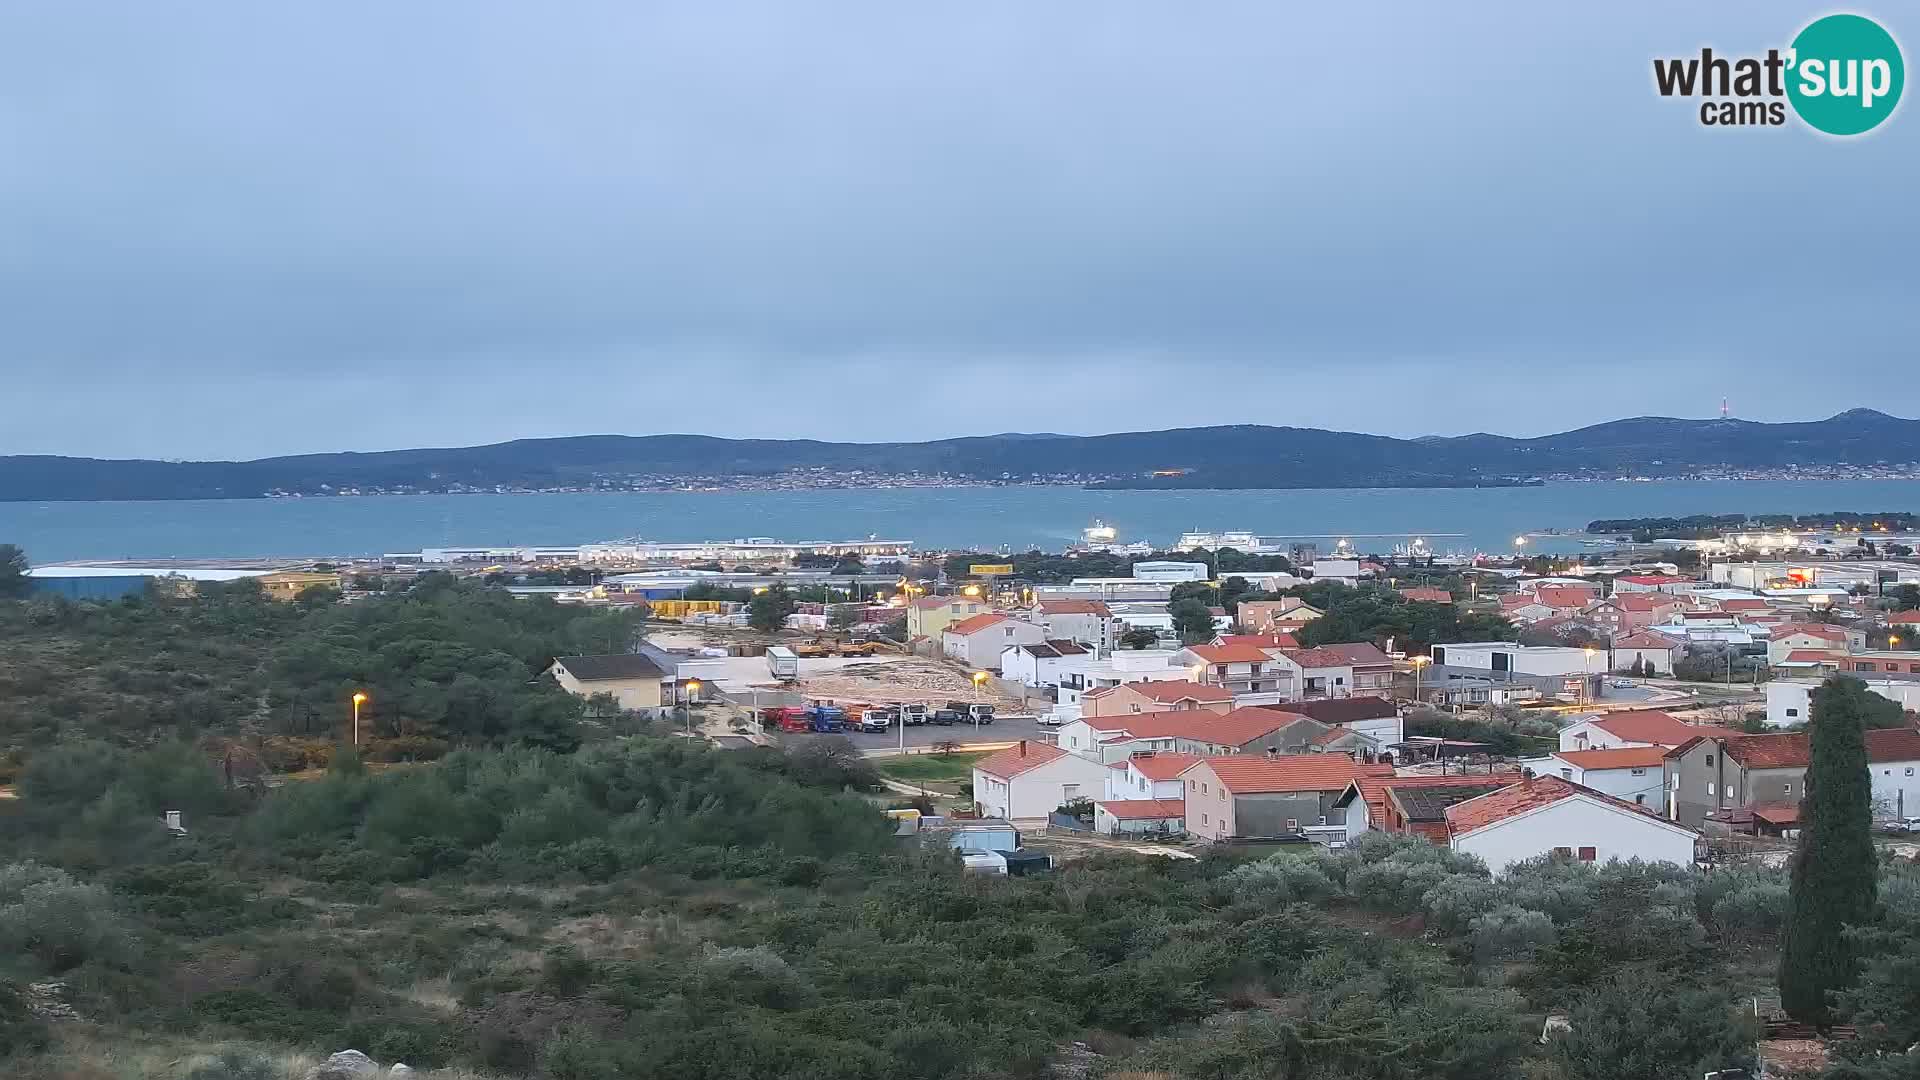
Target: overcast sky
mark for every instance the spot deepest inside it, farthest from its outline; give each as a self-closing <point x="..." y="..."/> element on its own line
<point x="239" y="229"/>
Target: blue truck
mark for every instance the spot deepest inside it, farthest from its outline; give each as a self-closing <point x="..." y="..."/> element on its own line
<point x="827" y="719"/>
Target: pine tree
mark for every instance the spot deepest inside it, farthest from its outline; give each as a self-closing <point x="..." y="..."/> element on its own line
<point x="1834" y="872"/>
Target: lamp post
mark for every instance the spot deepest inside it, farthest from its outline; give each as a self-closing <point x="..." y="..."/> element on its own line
<point x="978" y="678"/>
<point x="1418" y="663"/>
<point x="359" y="699"/>
<point x="1589" y="679"/>
<point x="693" y="693"/>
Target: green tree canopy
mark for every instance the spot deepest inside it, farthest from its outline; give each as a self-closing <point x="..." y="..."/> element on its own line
<point x="13" y="572"/>
<point x="1834" y="877"/>
<point x="768" y="610"/>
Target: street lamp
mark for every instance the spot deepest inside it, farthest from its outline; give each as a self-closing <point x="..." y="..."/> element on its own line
<point x="359" y="699"/>
<point x="1418" y="663"/>
<point x="978" y="678"/>
<point x="693" y="692"/>
<point x="1589" y="679"/>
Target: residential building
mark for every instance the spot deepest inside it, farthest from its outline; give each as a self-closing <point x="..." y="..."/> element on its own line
<point x="1345" y="670"/>
<point x="1127" y="699"/>
<point x="1270" y="796"/>
<point x="1550" y="660"/>
<point x="929" y="616"/>
<point x="1868" y="664"/>
<point x="978" y="641"/>
<point x="1655" y="650"/>
<point x="1790" y="701"/>
<point x="633" y="681"/>
<point x="1413" y="805"/>
<point x="1089" y="622"/>
<point x="1148" y="775"/>
<point x="1266" y="641"/>
<point x="1030" y="780"/>
<point x="1635" y="774"/>
<point x="1261" y="616"/>
<point x="1427" y="596"/>
<point x="1628" y="727"/>
<point x="1243" y="669"/>
<point x="1195" y="731"/>
<point x="1119" y="668"/>
<point x="1794" y="637"/>
<point x="1522" y="609"/>
<point x="1551" y="816"/>
<point x="1623" y="613"/>
<point x="1732" y="771"/>
<point x="1375" y="717"/>
<point x="1042" y="663"/>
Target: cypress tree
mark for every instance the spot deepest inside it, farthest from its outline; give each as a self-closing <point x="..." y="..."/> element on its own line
<point x="1834" y="872"/>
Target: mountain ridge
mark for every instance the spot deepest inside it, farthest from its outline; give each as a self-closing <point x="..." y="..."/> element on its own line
<point x="1224" y="456"/>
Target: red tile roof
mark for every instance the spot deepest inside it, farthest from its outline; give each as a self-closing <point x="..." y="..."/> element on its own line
<point x="1229" y="654"/>
<point x="1652" y="579"/>
<point x="1814" y="656"/>
<point x="1789" y="749"/>
<point x="1428" y="596"/>
<point x="1023" y="756"/>
<point x="976" y="623"/>
<point x="1168" y="691"/>
<point x="1074" y="607"/>
<point x="1145" y="809"/>
<point x="1623" y="757"/>
<point x="1253" y="774"/>
<point x="1819" y="630"/>
<point x="1360" y="654"/>
<point x="1642" y="601"/>
<point x="1646" y="726"/>
<point x="929" y="603"/>
<point x="1776" y="813"/>
<point x="1565" y="596"/>
<point x="1904" y="617"/>
<point x="1527" y="795"/>
<point x="1160" y="765"/>
<point x="1755" y="604"/>
<point x="1374" y="789"/>
<point x="1259" y="641"/>
<point x="1893" y="744"/>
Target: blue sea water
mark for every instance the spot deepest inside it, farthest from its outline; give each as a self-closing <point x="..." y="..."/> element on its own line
<point x="1484" y="519"/>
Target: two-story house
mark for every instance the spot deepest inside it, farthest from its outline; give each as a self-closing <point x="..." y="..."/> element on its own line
<point x="929" y="616"/>
<point x="979" y="641"/>
<point x="1089" y="622"/>
<point x="1243" y="669"/>
<point x="1345" y="670"/>
<point x="1270" y="796"/>
<point x="1623" y="613"/>
<point x="1734" y="771"/>
<point x="1041" y="663"/>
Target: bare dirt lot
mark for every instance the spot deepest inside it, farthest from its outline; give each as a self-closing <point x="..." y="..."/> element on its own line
<point x="893" y="682"/>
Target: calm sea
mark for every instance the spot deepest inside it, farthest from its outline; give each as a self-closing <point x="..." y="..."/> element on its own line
<point x="986" y="518"/>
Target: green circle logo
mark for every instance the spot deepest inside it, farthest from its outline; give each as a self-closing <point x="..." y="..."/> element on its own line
<point x="1845" y="74"/>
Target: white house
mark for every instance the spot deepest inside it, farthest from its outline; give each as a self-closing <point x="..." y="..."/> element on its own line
<point x="1140" y="817"/>
<point x="1790" y="701"/>
<point x="1789" y="638"/>
<point x="1524" y="659"/>
<point x="1656" y="651"/>
<point x="1551" y="816"/>
<point x="1030" y="780"/>
<point x="1151" y="775"/>
<point x="978" y="641"/>
<point x="1089" y="622"/>
<point x="1043" y="663"/>
<point x="1243" y="669"/>
<point x="1630" y="727"/>
<point x="1635" y="774"/>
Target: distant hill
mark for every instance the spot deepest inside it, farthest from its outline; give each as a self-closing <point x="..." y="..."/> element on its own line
<point x="1241" y="456"/>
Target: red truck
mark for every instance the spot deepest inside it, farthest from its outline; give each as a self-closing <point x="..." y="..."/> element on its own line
<point x="786" y="718"/>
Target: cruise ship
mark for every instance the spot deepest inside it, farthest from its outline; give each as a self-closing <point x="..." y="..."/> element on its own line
<point x="1250" y="543"/>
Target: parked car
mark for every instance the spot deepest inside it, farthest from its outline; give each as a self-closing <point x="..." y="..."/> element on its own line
<point x="1621" y="684"/>
<point x="944" y="717"/>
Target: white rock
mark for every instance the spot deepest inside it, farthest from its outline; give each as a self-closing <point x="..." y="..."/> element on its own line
<point x="345" y="1065"/>
<point x="400" y="1068"/>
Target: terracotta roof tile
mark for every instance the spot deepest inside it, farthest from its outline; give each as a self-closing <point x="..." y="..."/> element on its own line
<point x="1073" y="607"/>
<point x="1259" y="641"/>
<point x="1346" y="710"/>
<point x="1373" y="789"/>
<point x="1814" y="656"/>
<point x="1819" y="630"/>
<point x="1229" y="654"/>
<point x="1253" y="774"/>
<point x="1776" y="813"/>
<point x="1167" y="691"/>
<point x="1516" y="799"/>
<point x="1645" y="639"/>
<point x="1652" y="579"/>
<point x="1427" y="596"/>
<point x="1646" y="726"/>
<point x="1021" y="757"/>
<point x="1903" y="618"/>
<point x="1345" y="655"/>
<point x="1624" y="757"/>
<point x="1142" y="809"/>
<point x="976" y="623"/>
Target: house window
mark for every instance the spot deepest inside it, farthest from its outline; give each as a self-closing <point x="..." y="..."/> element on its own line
<point x="1223" y="794"/>
<point x="1709" y="787"/>
<point x="1793" y="712"/>
<point x="1909" y="770"/>
<point x="1323" y="820"/>
<point x="1640" y="800"/>
<point x="1637" y="772"/>
<point x="1566" y="774"/>
<point x="1562" y="852"/>
<point x="1293" y="823"/>
<point x="1069" y="792"/>
<point x="1587" y="854"/>
<point x="1786" y="789"/>
<point x="1203" y="788"/>
<point x="1709" y="765"/>
<point x="1203" y="818"/>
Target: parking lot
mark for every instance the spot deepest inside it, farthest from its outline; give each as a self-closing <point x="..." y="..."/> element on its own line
<point x="1002" y="730"/>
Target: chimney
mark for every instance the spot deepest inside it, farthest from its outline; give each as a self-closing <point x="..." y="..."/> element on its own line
<point x="1023" y="748"/>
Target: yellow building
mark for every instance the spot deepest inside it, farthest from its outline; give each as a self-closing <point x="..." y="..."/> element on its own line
<point x="929" y="616"/>
<point x="634" y="681"/>
<point x="289" y="584"/>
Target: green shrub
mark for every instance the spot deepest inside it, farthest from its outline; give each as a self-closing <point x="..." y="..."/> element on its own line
<point x="57" y="921"/>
